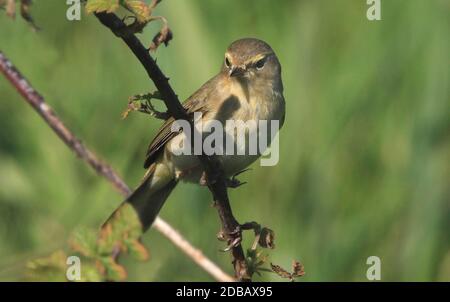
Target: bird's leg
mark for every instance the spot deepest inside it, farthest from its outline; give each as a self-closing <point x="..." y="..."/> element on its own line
<point x="233" y="182"/>
<point x="142" y="103"/>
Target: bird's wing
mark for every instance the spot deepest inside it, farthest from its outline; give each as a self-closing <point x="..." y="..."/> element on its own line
<point x="195" y="103"/>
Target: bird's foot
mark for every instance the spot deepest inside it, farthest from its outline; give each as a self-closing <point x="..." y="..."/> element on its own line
<point x="233" y="182"/>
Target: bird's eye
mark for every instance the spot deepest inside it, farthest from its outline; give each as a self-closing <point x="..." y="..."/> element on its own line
<point x="227" y="62"/>
<point x="260" y="64"/>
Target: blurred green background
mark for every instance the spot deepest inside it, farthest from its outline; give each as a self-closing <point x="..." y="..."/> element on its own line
<point x="365" y="151"/>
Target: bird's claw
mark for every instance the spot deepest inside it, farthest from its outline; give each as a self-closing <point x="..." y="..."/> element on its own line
<point x="233" y="182"/>
<point x="242" y="171"/>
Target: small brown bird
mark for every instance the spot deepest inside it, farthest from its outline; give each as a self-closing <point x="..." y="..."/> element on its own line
<point x="247" y="88"/>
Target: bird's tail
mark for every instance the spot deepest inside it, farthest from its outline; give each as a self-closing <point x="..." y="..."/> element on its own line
<point x="148" y="199"/>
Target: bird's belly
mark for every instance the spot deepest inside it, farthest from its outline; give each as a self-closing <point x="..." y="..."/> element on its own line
<point x="236" y="146"/>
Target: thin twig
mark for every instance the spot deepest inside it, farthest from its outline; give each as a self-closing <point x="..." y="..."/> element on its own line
<point x="33" y="98"/>
<point x="213" y="168"/>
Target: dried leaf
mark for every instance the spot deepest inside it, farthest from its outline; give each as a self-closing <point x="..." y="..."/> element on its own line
<point x="162" y="37"/>
<point x="280" y="271"/>
<point x="267" y="238"/>
<point x="298" y="269"/>
<point x="132" y="106"/>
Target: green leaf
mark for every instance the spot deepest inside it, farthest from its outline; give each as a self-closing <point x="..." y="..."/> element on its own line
<point x="84" y="242"/>
<point x="298" y="270"/>
<point x="51" y="268"/>
<point x="124" y="224"/>
<point x="98" y="6"/>
<point x="137" y="250"/>
<point x="255" y="260"/>
<point x="90" y="272"/>
<point x="281" y="271"/>
<point x="112" y="270"/>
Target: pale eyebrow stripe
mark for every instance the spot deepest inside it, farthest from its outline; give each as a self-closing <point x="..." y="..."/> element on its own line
<point x="258" y="57"/>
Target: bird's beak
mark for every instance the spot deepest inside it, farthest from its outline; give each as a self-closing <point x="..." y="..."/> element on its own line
<point x="236" y="71"/>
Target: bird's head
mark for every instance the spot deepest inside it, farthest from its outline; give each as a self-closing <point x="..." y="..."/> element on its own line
<point x="251" y="60"/>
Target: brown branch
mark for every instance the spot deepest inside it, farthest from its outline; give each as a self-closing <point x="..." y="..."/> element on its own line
<point x="33" y="98"/>
<point x="214" y="171"/>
